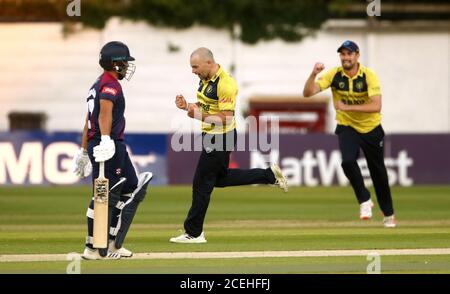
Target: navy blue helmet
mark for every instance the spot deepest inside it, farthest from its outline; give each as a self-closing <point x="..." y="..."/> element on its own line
<point x="115" y="56"/>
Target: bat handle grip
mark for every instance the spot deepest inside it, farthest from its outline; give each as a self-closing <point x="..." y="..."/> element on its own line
<point x="102" y="169"/>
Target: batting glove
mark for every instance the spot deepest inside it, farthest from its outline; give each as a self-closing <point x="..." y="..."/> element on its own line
<point x="81" y="164"/>
<point x="105" y="150"/>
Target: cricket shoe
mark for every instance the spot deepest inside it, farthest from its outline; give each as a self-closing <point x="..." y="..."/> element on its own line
<point x="365" y="209"/>
<point x="93" y="254"/>
<point x="389" y="221"/>
<point x="280" y="180"/>
<point x="188" y="239"/>
<point x="122" y="251"/>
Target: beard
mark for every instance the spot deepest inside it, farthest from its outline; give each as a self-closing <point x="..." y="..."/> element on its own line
<point x="347" y="65"/>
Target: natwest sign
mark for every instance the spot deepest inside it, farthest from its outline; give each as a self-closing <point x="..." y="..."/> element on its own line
<point x="315" y="160"/>
<point x="318" y="167"/>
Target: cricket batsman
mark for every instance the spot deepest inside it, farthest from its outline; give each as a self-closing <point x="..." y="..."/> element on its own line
<point x="103" y="141"/>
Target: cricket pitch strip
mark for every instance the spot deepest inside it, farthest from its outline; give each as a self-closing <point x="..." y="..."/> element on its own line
<point x="239" y="254"/>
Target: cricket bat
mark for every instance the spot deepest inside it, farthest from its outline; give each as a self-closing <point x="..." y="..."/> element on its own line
<point x="101" y="191"/>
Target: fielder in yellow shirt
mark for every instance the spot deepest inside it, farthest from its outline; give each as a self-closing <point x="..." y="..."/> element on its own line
<point x="216" y="102"/>
<point x="357" y="99"/>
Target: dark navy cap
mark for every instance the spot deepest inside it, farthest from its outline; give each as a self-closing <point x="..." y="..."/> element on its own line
<point x="350" y="46"/>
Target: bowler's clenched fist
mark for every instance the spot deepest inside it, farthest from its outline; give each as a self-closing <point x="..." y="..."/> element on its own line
<point x="180" y="102"/>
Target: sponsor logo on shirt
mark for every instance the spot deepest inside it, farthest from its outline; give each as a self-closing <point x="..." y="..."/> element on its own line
<point x="226" y="100"/>
<point x="109" y="90"/>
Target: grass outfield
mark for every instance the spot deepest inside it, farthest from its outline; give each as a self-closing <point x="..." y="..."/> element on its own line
<point x="51" y="220"/>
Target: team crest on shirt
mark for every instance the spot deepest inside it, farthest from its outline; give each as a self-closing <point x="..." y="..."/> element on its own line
<point x="109" y="90"/>
<point x="359" y="85"/>
<point x="205" y="107"/>
<point x="209" y="89"/>
<point x="118" y="171"/>
<point x="341" y="85"/>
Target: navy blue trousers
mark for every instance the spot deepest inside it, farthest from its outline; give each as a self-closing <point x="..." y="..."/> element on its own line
<point x="372" y="145"/>
<point x="118" y="166"/>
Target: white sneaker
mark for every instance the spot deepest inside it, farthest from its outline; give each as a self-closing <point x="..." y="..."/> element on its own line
<point x="365" y="209"/>
<point x="280" y="180"/>
<point x="389" y="222"/>
<point x="122" y="251"/>
<point x="93" y="254"/>
<point x="187" y="239"/>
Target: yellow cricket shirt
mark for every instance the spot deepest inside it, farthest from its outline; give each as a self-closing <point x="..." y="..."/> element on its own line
<point x="215" y="95"/>
<point x="352" y="91"/>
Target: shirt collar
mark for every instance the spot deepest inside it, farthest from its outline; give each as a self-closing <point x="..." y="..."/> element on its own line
<point x="360" y="72"/>
<point x="216" y="76"/>
<point x="111" y="75"/>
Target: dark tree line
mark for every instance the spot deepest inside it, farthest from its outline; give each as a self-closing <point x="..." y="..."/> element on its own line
<point x="256" y="20"/>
